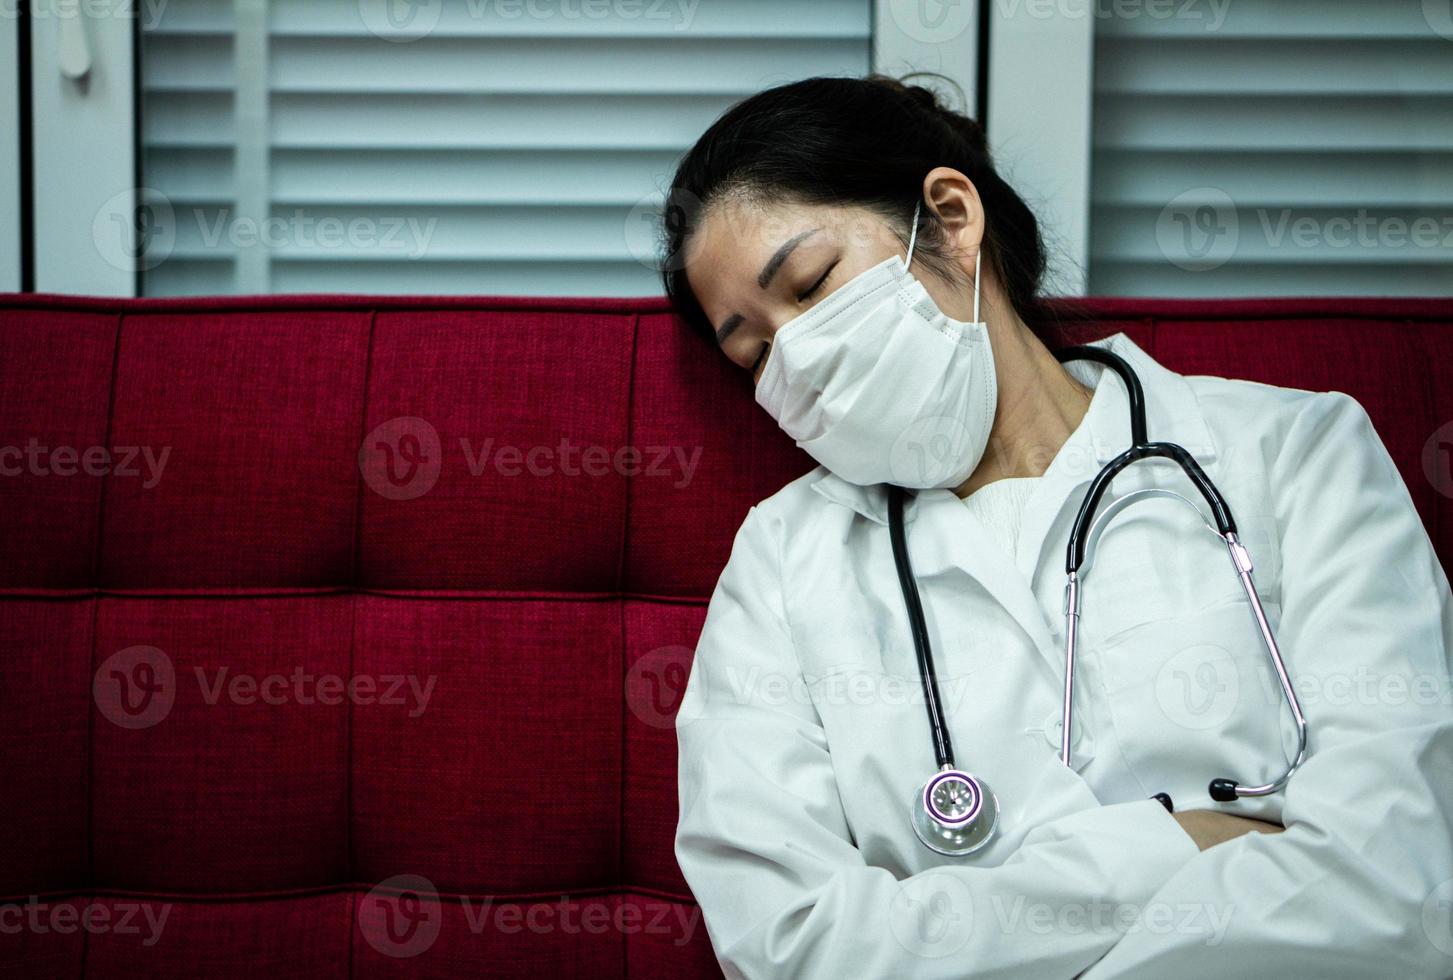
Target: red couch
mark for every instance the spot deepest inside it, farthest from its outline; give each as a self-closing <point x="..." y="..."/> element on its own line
<point x="216" y="515"/>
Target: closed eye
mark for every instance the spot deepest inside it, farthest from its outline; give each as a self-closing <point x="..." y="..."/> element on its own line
<point x="815" y="287"/>
<point x="760" y="357"/>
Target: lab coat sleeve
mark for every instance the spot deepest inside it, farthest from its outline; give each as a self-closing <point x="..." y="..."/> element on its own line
<point x="1353" y="887"/>
<point x="764" y="844"/>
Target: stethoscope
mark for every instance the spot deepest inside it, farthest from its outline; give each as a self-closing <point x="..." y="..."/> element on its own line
<point x="955" y="812"/>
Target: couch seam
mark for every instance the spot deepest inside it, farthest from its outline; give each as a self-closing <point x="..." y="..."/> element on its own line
<point x="351" y="887"/>
<point x="629" y="486"/>
<point x="106" y="441"/>
<point x="403" y="595"/>
<point x="355" y="551"/>
<point x="95" y="645"/>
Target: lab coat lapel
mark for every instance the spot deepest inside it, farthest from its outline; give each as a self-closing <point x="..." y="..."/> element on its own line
<point x="944" y="537"/>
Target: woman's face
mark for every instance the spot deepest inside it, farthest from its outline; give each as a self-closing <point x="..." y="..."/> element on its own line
<point x="756" y="266"/>
<point x="753" y="267"/>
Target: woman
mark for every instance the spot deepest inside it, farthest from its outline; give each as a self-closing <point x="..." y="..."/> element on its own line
<point x="842" y="232"/>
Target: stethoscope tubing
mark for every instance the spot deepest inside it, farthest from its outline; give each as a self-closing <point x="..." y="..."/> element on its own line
<point x="942" y="745"/>
<point x="1082" y="533"/>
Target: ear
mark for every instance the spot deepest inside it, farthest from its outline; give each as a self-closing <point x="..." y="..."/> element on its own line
<point x="955" y="200"/>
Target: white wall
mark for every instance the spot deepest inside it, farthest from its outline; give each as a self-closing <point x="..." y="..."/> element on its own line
<point x="9" y="156"/>
<point x="83" y="155"/>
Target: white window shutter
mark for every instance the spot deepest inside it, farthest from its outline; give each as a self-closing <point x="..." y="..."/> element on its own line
<point x="1273" y="147"/>
<point x="489" y="147"/>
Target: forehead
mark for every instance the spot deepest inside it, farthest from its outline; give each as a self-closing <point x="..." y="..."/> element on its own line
<point x="737" y="235"/>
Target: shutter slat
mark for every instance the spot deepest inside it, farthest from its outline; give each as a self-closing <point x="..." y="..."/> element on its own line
<point x="1272" y="179"/>
<point x="590" y="175"/>
<point x="1265" y="66"/>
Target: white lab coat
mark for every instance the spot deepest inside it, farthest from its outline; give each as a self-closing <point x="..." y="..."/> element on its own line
<point x="803" y="736"/>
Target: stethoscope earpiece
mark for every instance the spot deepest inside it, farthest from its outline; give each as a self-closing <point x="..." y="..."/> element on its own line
<point x="1223" y="790"/>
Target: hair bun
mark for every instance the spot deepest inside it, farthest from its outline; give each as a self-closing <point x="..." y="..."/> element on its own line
<point x="964" y="126"/>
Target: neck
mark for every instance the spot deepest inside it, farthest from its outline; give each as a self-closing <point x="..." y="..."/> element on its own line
<point x="1040" y="404"/>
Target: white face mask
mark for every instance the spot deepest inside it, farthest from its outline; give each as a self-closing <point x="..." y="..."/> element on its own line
<point x="881" y="386"/>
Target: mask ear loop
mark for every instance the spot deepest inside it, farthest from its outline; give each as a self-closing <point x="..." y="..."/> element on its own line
<point x="977" y="257"/>
<point x="913" y="235"/>
<point x="913" y="238"/>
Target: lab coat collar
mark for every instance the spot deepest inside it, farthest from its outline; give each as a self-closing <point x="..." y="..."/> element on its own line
<point x="1172" y="415"/>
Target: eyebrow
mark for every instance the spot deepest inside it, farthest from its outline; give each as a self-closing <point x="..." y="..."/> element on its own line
<point x="764" y="278"/>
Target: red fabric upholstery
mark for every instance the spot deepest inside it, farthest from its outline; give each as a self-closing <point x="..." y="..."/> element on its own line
<point x="548" y="602"/>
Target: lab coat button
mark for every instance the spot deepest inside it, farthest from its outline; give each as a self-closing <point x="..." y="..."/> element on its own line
<point x="1081" y="747"/>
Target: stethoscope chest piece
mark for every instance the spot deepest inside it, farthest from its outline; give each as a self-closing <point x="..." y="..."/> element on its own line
<point x="954" y="813"/>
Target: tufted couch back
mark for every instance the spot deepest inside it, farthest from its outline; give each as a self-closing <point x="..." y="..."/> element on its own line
<point x="342" y="635"/>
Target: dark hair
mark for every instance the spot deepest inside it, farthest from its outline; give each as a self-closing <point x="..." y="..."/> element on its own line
<point x="859" y="141"/>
